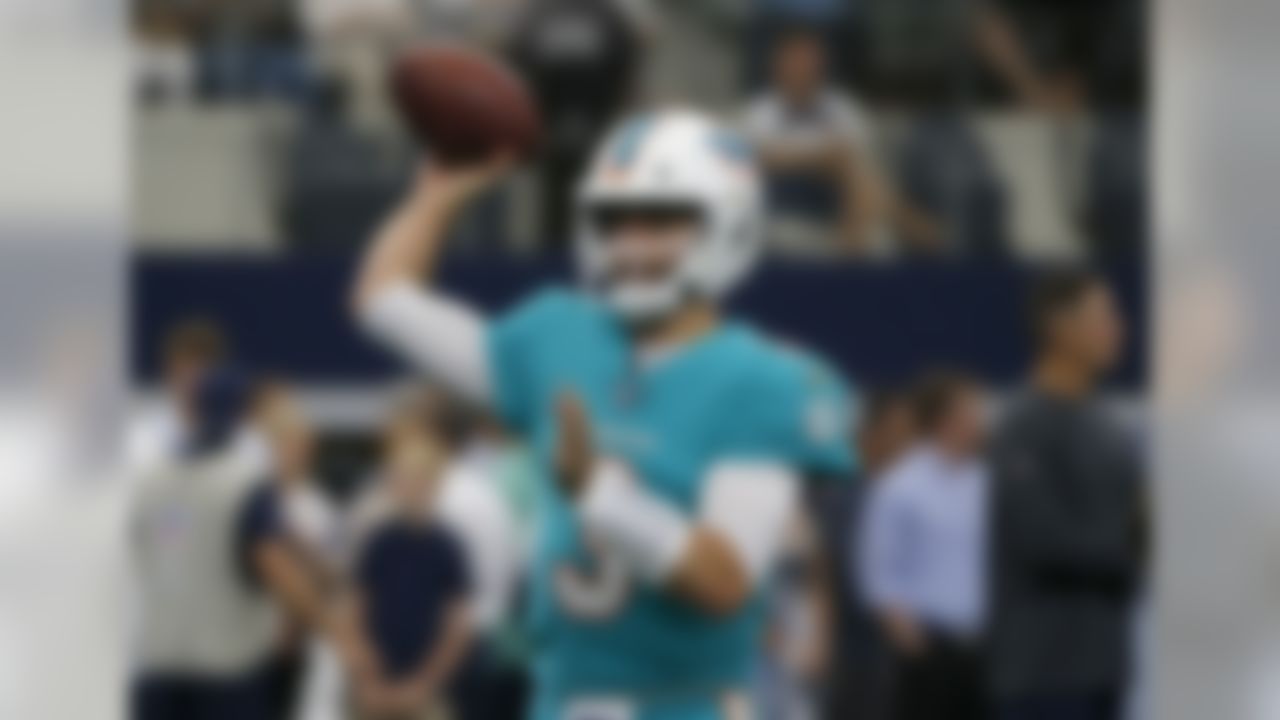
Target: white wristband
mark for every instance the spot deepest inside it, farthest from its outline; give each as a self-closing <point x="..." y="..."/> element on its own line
<point x="650" y="533"/>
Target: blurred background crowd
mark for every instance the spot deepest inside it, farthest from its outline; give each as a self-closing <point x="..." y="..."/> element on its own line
<point x="889" y="127"/>
<point x="926" y="162"/>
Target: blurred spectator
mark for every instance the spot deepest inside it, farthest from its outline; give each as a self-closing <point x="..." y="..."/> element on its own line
<point x="412" y="585"/>
<point x="188" y="351"/>
<point x="916" y="53"/>
<point x="1116" y="205"/>
<point x="945" y="169"/>
<point x="215" y="571"/>
<point x="481" y="503"/>
<point x="1067" y="538"/>
<point x="581" y="59"/>
<point x="325" y="20"/>
<point x="924" y="556"/>
<point x="887" y="430"/>
<point x="813" y="142"/>
<point x="482" y="23"/>
<point x="351" y="43"/>
<point x="857" y="673"/>
<point x="485" y="501"/>
<point x="165" y="65"/>
<point x="309" y="522"/>
<point x="309" y="515"/>
<point x="815" y="146"/>
<point x="1068" y="57"/>
<point x="798" y="639"/>
<point x="249" y="49"/>
<point x="473" y="506"/>
<point x="1063" y="55"/>
<point x="770" y="20"/>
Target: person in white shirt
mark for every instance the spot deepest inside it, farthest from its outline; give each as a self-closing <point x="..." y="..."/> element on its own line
<point x="188" y="351"/>
<point x="470" y="503"/>
<point x="924" y="556"/>
<point x="815" y="144"/>
<point x="216" y="572"/>
<point x="310" y="526"/>
<point x="308" y="513"/>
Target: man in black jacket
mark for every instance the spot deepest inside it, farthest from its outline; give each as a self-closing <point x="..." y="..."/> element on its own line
<point x="1067" y="540"/>
<point x="581" y="59"/>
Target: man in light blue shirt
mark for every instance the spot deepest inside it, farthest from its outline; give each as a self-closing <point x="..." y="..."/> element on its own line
<point x="923" y="555"/>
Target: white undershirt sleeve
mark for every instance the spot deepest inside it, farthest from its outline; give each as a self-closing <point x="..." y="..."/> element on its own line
<point x="749" y="503"/>
<point x="444" y="338"/>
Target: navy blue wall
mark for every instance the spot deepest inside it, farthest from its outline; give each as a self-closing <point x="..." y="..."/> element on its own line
<point x="880" y="323"/>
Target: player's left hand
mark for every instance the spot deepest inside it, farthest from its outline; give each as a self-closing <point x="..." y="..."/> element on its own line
<point x="575" y="447"/>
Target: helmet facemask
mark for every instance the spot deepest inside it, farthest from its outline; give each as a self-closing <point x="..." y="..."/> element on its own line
<point x="640" y="252"/>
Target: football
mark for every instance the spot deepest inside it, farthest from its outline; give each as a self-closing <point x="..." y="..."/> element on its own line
<point x="463" y="105"/>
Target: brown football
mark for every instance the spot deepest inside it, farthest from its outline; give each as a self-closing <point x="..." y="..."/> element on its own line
<point x="464" y="105"/>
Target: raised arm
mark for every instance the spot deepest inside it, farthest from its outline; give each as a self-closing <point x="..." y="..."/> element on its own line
<point x="392" y="299"/>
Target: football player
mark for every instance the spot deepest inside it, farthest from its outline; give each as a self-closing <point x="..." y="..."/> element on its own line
<point x="675" y="439"/>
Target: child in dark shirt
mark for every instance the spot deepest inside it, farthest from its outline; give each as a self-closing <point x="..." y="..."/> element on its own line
<point x="411" y="588"/>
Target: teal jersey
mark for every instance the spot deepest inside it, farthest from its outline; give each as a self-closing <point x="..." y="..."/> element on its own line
<point x="730" y="395"/>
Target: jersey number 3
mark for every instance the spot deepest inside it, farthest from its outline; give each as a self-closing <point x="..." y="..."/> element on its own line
<point x="596" y="589"/>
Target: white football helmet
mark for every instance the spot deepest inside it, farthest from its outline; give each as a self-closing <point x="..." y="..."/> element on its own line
<point x="680" y="158"/>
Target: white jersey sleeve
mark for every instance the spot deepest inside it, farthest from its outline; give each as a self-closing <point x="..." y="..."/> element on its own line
<point x="750" y="503"/>
<point x="444" y="338"/>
